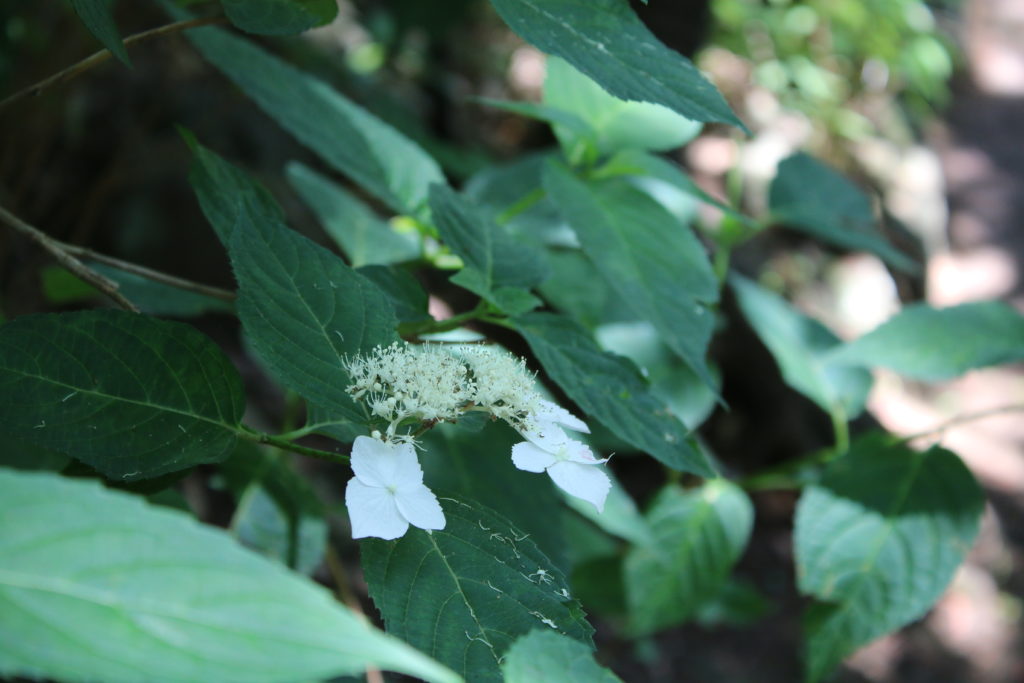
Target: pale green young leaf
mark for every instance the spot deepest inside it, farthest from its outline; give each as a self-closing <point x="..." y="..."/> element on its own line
<point x="800" y="345"/>
<point x="364" y="237"/>
<point x="610" y="389"/>
<point x="877" y="542"/>
<point x="465" y="593"/>
<point x="607" y="41"/>
<point x="939" y="343"/>
<point x="697" y="537"/>
<point x="656" y="265"/>
<point x="98" y="17"/>
<point x="812" y="197"/>
<point x="549" y="657"/>
<point x="346" y="136"/>
<point x="132" y="396"/>
<point x="609" y="123"/>
<point x="279" y="17"/>
<point x="304" y="309"/>
<point x="96" y="585"/>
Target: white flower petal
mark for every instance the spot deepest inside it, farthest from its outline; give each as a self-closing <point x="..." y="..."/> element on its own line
<point x="583" y="481"/>
<point x="552" y="412"/>
<point x="376" y="463"/>
<point x="577" y="451"/>
<point x="546" y="435"/>
<point x="419" y="505"/>
<point x="527" y="456"/>
<point x="373" y="512"/>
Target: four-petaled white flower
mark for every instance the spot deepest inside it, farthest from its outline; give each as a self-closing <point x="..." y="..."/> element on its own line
<point x="568" y="462"/>
<point x="387" y="494"/>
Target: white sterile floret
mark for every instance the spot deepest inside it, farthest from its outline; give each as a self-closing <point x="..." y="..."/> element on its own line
<point x="504" y="387"/>
<point x="569" y="463"/>
<point x="401" y="381"/>
<point x="387" y="494"/>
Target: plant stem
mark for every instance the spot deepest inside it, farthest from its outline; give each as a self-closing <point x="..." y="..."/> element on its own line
<point x="63" y="257"/>
<point x="285" y="444"/>
<point x="966" y="417"/>
<point x="66" y="255"/>
<point x="840" y="428"/>
<point x="103" y="55"/>
<point x="149" y="273"/>
<point x="414" y="329"/>
<point x="521" y="205"/>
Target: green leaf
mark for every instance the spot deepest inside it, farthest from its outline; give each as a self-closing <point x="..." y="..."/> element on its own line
<point x="22" y="455"/>
<point x="279" y="17"/>
<point x="305" y="310"/>
<point x="619" y="517"/>
<point x="223" y="189"/>
<point x="610" y="123"/>
<point x="493" y="260"/>
<point x="346" y="136"/>
<point x="800" y="345"/>
<point x="478" y="466"/>
<point x="133" y="396"/>
<point x="812" y="197"/>
<point x="402" y="289"/>
<point x="99" y="19"/>
<point x="607" y="41"/>
<point x="361" y="234"/>
<point x="549" y="114"/>
<point x="940" y="343"/>
<point x="97" y="585"/>
<point x="877" y="542"/>
<point x="656" y="265"/>
<point x="609" y="388"/>
<point x="512" y="194"/>
<point x="465" y="593"/>
<point x="278" y="513"/>
<point x="548" y="657"/>
<point x="698" y="536"/>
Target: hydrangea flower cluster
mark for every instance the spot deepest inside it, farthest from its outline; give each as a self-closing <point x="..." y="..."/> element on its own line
<point x="414" y="387"/>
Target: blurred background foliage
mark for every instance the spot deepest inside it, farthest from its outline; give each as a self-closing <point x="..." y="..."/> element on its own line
<point x="864" y="84"/>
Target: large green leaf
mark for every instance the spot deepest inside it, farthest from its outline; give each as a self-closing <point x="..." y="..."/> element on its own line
<point x="812" y="197"/>
<point x="98" y="17"/>
<point x="612" y="123"/>
<point x="96" y="585"/>
<point x="465" y="593"/>
<point x="363" y="236"/>
<point x="800" y="345"/>
<point x="493" y="260"/>
<point x="478" y="466"/>
<point x="697" y="537"/>
<point x="512" y="193"/>
<point x="609" y="388"/>
<point x="940" y="343"/>
<point x="548" y="657"/>
<point x="133" y="396"/>
<point x="607" y="41"/>
<point x="655" y="264"/>
<point x="279" y="17"/>
<point x="346" y="136"/>
<point x="877" y="541"/>
<point x="305" y="310"/>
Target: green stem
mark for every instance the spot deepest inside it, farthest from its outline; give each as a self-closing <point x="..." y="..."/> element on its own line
<point x="841" y="429"/>
<point x="285" y="444"/>
<point x="414" y="329"/>
<point x="520" y="206"/>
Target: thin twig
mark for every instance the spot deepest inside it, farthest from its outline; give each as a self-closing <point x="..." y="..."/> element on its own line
<point x="149" y="273"/>
<point x="104" y="284"/>
<point x="285" y="444"/>
<point x="967" y="417"/>
<point x="103" y="55"/>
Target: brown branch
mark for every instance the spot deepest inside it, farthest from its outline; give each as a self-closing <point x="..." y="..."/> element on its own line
<point x="149" y="273"/>
<point x="103" y="55"/>
<point x="104" y="284"/>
